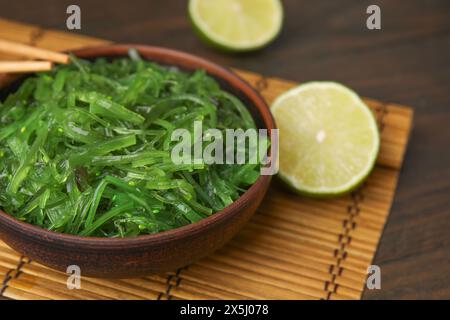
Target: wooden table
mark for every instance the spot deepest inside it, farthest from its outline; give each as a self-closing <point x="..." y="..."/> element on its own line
<point x="406" y="62"/>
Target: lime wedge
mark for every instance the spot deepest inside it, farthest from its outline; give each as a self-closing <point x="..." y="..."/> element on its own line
<point x="329" y="138"/>
<point x="237" y="25"/>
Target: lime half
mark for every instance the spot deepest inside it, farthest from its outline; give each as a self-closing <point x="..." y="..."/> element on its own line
<point x="237" y="25"/>
<point x="329" y="138"/>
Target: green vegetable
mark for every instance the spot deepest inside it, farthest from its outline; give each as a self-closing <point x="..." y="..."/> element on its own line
<point x="85" y="149"/>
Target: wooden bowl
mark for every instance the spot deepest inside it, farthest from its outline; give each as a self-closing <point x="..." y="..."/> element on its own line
<point x="156" y="253"/>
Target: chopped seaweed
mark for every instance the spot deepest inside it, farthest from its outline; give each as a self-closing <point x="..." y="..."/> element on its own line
<point x="85" y="149"/>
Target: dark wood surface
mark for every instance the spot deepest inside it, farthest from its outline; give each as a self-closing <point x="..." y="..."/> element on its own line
<point x="407" y="62"/>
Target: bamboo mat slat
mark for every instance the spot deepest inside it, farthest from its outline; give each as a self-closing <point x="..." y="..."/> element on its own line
<point x="293" y="248"/>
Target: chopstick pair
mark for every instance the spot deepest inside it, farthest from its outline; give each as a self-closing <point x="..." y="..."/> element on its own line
<point x="49" y="58"/>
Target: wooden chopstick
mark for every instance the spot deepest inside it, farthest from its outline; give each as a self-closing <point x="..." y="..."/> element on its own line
<point x="32" y="52"/>
<point x="24" y="66"/>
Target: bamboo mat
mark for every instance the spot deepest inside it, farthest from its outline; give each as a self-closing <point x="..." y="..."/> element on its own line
<point x="293" y="248"/>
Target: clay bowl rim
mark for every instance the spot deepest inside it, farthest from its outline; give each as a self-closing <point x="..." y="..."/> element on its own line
<point x="159" y="55"/>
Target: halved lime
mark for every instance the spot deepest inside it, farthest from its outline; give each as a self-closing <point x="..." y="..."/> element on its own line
<point x="237" y="25"/>
<point x="329" y="138"/>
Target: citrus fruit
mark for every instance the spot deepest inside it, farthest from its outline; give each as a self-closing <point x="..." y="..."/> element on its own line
<point x="329" y="138"/>
<point x="237" y="25"/>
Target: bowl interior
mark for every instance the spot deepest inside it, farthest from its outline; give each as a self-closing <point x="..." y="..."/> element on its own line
<point x="185" y="62"/>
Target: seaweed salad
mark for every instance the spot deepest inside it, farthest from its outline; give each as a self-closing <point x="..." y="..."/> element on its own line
<point x="85" y="148"/>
